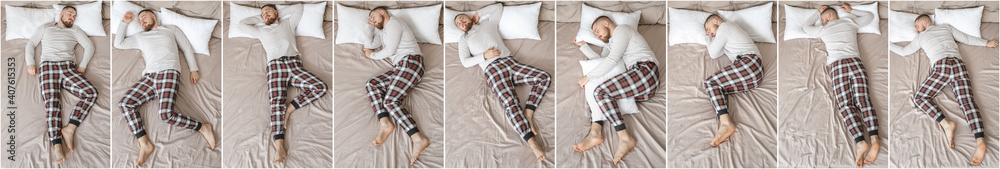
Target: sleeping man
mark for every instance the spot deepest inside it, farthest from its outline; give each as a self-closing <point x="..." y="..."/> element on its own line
<point x="387" y="90"/>
<point x="482" y="45"/>
<point x="624" y="46"/>
<point x="159" y="44"/>
<point x="284" y="68"/>
<point x="947" y="69"/>
<point x="743" y="75"/>
<point x="850" y="82"/>
<point x="58" y="71"/>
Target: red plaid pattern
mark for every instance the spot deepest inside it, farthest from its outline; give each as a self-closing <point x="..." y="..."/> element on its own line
<point x="502" y="75"/>
<point x="386" y="91"/>
<point x="744" y="74"/>
<point x="850" y="87"/>
<point x="949" y="71"/>
<point x="639" y="82"/>
<point x="286" y="71"/>
<point x="56" y="75"/>
<point x="162" y="85"/>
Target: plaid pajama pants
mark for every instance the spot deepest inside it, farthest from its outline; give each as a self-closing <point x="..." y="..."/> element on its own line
<point x="850" y="87"/>
<point x="502" y="75"/>
<point x="62" y="75"/>
<point x="949" y="71"/>
<point x="386" y="91"/>
<point x="286" y="71"/>
<point x="744" y="74"/>
<point x="639" y="82"/>
<point x="162" y="85"/>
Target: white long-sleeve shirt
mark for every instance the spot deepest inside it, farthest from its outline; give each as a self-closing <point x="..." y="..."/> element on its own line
<point x="625" y="46"/>
<point x="159" y="47"/>
<point x="481" y="37"/>
<point x="938" y="41"/>
<point x="396" y="40"/>
<point x="841" y="35"/>
<point x="58" y="44"/>
<point x="278" y="39"/>
<point x="731" y="40"/>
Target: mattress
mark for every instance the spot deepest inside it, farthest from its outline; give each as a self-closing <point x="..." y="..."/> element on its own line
<point x="32" y="147"/>
<point x="175" y="146"/>
<point x="647" y="127"/>
<point x="693" y="121"/>
<point x="248" y="140"/>
<point x="355" y="123"/>
<point x="916" y="139"/>
<point x="479" y="133"/>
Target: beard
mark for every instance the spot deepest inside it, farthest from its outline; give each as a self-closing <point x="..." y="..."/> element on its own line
<point x="468" y="26"/>
<point x="270" y="21"/>
<point x="380" y="25"/>
<point x="606" y="39"/>
<point x="148" y="27"/>
<point x="68" y="24"/>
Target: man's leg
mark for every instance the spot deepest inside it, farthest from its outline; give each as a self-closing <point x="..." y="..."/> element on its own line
<point x="932" y="85"/>
<point x="863" y="103"/>
<point x="500" y="79"/>
<point x="76" y="84"/>
<point x="407" y="73"/>
<point x="166" y="89"/>
<point x="962" y="86"/>
<point x="539" y="81"/>
<point x="377" y="87"/>
<point x="640" y="80"/>
<point x="49" y="77"/>
<point x="744" y="74"/>
<point x="278" y="78"/>
<point x="845" y="74"/>
<point x="138" y="94"/>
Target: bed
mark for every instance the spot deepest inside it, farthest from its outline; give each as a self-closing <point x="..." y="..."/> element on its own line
<point x="248" y="139"/>
<point x="175" y="146"/>
<point x="648" y="127"/>
<point x="479" y="133"/>
<point x="693" y="121"/>
<point x="355" y="124"/>
<point x="93" y="139"/>
<point x="916" y="139"/>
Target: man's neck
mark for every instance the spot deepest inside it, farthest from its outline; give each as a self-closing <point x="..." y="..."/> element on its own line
<point x="611" y="29"/>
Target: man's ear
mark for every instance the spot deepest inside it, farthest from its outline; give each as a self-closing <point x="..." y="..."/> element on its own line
<point x="716" y="21"/>
<point x="606" y="23"/>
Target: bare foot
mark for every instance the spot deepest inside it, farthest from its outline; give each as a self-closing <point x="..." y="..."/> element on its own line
<point x="384" y="129"/>
<point x="625" y="143"/>
<point x="279" y="150"/>
<point x="873" y="153"/>
<point x="145" y="148"/>
<point x="57" y="153"/>
<point x="980" y="152"/>
<point x="861" y="148"/>
<point x="288" y="113"/>
<point x="949" y="131"/>
<point x="206" y="130"/>
<point x="593" y="138"/>
<point x="530" y="114"/>
<point x="67" y="133"/>
<point x="419" y="142"/>
<point x="537" y="149"/>
<point x="726" y="129"/>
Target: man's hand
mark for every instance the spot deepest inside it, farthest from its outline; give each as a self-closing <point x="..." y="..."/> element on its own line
<point x="491" y="53"/>
<point x="368" y="52"/>
<point x="81" y="70"/>
<point x="32" y="70"/>
<point x="195" y="76"/>
<point x="992" y="43"/>
<point x="583" y="81"/>
<point x="822" y="8"/>
<point x="475" y="18"/>
<point x="580" y="42"/>
<point x="128" y="17"/>
<point x="847" y="8"/>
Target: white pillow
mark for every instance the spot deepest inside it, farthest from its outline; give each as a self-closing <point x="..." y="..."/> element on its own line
<point x="423" y="21"/>
<point x="518" y="22"/>
<point x="118" y="10"/>
<point x="966" y="20"/>
<point x="198" y="31"/>
<point x="310" y="24"/>
<point x="236" y="14"/>
<point x="588" y="14"/>
<point x="871" y="27"/>
<point x="756" y="21"/>
<point x="625" y="105"/>
<point x="687" y="26"/>
<point x="88" y="17"/>
<point x="451" y="32"/>
<point x="23" y="22"/>
<point x="795" y="18"/>
<point x="351" y="25"/>
<point x="901" y="25"/>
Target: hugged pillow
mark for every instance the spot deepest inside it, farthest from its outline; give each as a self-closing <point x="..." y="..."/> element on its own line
<point x="198" y="31"/>
<point x="966" y="20"/>
<point x="795" y="18"/>
<point x="901" y="24"/>
<point x="687" y="26"/>
<point x="871" y="27"/>
<point x="23" y="22"/>
<point x="518" y="22"/>
<point x="589" y="14"/>
<point x="352" y="25"/>
<point x="88" y="17"/>
<point x="118" y="10"/>
<point x="756" y="21"/>
<point x="311" y="23"/>
<point x="423" y="21"/>
<point x="626" y="105"/>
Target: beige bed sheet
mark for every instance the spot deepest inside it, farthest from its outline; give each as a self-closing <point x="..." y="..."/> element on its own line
<point x="175" y="146"/>
<point x="917" y="139"/>
<point x="813" y="133"/>
<point x="32" y="147"/>
<point x="647" y="127"/>
<point x="693" y="121"/>
<point x="478" y="132"/>
<point x="355" y="123"/>
<point x="247" y="132"/>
